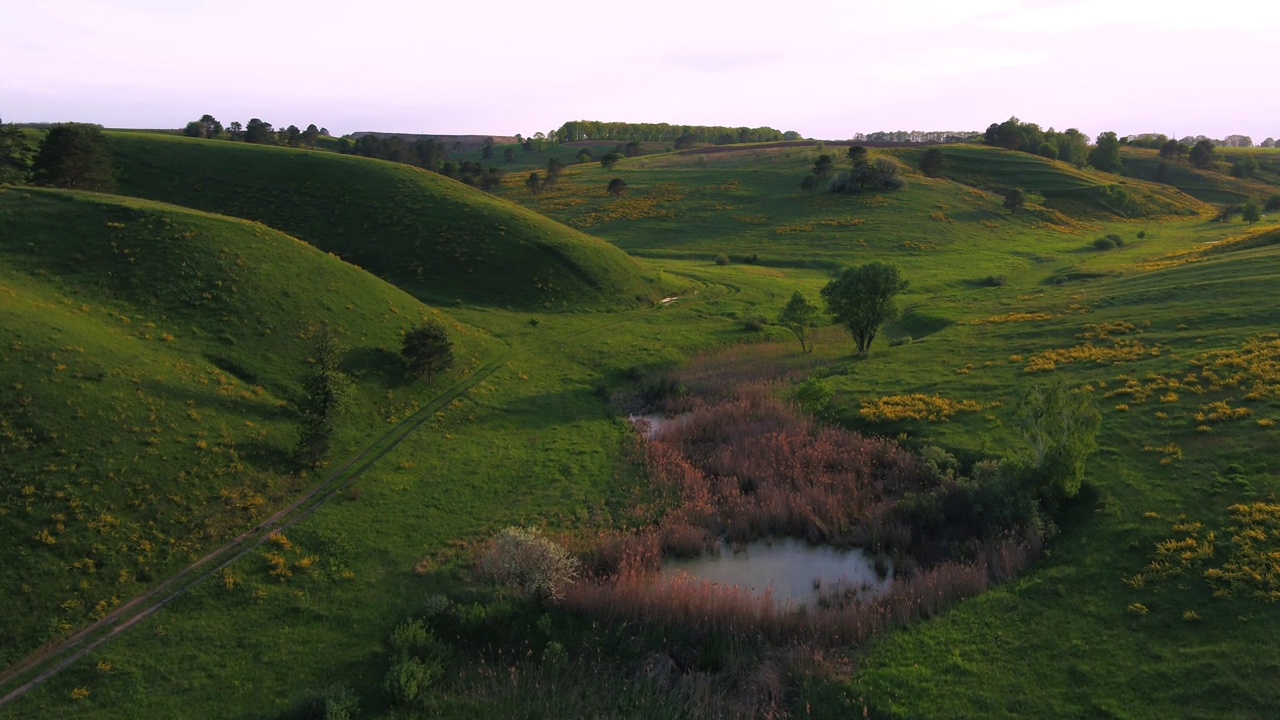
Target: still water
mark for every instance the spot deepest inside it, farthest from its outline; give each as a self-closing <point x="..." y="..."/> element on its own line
<point x="796" y="571"/>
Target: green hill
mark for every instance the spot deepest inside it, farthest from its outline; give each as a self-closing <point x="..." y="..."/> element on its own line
<point x="1214" y="184"/>
<point x="435" y="238"/>
<point x="150" y="361"/>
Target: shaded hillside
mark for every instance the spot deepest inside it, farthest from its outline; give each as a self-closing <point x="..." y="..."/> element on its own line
<point x="1212" y="185"/>
<point x="151" y="362"/>
<point x="436" y="238"/>
<point x="1078" y="193"/>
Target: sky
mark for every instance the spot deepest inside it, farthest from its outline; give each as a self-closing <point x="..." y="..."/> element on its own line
<point x="826" y="69"/>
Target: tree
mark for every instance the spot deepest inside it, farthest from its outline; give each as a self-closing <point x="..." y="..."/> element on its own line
<point x="1014" y="200"/>
<point x="631" y="149"/>
<point x="1244" y="166"/>
<point x="609" y="160"/>
<point x="74" y="156"/>
<point x="1251" y="212"/>
<point x="292" y="136"/>
<point x="509" y="155"/>
<point x="259" y="132"/>
<point x="1060" y="426"/>
<point x="583" y="156"/>
<point x="857" y="155"/>
<point x="486" y="150"/>
<point x="524" y="559"/>
<point x="310" y="136"/>
<point x="533" y="183"/>
<point x="1202" y="154"/>
<point x="1105" y="156"/>
<point x="862" y="299"/>
<point x="617" y="186"/>
<point x="883" y="174"/>
<point x="809" y="183"/>
<point x="236" y="130"/>
<point x="326" y="389"/>
<point x="1172" y="150"/>
<point x="933" y="162"/>
<point x="206" y="127"/>
<point x="798" y="316"/>
<point x="428" y="349"/>
<point x="554" y="167"/>
<point x="1273" y="203"/>
<point x="686" y="141"/>
<point x="15" y="156"/>
<point x="823" y="166"/>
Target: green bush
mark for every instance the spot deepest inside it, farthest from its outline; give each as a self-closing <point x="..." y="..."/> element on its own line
<point x="1119" y="241"/>
<point x="333" y="703"/>
<point x="1104" y="243"/>
<point x="409" y="678"/>
<point x="722" y="259"/>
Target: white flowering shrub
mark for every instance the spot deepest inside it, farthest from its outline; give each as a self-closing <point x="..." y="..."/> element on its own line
<point x="522" y="558"/>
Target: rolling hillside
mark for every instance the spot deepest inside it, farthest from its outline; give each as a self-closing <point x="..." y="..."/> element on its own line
<point x="437" y="239"/>
<point x="151" y="362"/>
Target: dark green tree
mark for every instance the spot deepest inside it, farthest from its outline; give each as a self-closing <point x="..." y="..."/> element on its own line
<point x="1014" y="200"/>
<point x="74" y="156"/>
<point x="1244" y="166"/>
<point x="1273" y="203"/>
<point x="509" y="155"/>
<point x="583" y="156"/>
<point x="823" y="166"/>
<point x="15" y="155"/>
<point x="259" y="132"/>
<point x="809" y="183"/>
<point x="686" y="141"/>
<point x="533" y="183"/>
<point x="933" y="163"/>
<point x="554" y="167"/>
<point x="325" y="390"/>
<point x="486" y="150"/>
<point x="799" y="316"/>
<point x="427" y="349"/>
<point x="1172" y="150"/>
<point x="206" y="127"/>
<point x="293" y="136"/>
<point x="310" y="136"/>
<point x="617" y="186"/>
<point x="1251" y="212"/>
<point x="862" y="299"/>
<point x="631" y="149"/>
<point x="1105" y="155"/>
<point x="609" y="160"/>
<point x="1202" y="154"/>
<point x="857" y="155"/>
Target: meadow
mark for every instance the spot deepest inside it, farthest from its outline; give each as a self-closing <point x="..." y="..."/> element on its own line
<point x="1149" y="600"/>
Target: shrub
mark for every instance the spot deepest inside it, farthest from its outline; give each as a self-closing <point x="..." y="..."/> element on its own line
<point x="336" y="702"/>
<point x="1104" y="243"/>
<point x="722" y="259"/>
<point x="522" y="558"/>
<point x="992" y="281"/>
<point x="409" y="678"/>
<point x="755" y="324"/>
<point x="1119" y="241"/>
<point x="900" y="340"/>
<point x="883" y="174"/>
<point x="1142" y="234"/>
<point x="428" y="349"/>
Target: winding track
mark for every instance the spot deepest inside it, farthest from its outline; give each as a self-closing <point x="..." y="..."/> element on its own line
<point x="49" y="661"/>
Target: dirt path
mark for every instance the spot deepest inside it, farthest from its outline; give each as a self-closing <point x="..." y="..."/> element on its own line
<point x="50" y="660"/>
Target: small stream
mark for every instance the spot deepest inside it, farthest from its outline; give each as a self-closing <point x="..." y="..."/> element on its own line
<point x="796" y="571"/>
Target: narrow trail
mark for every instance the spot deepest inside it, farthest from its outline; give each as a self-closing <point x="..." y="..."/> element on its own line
<point x="47" y="662"/>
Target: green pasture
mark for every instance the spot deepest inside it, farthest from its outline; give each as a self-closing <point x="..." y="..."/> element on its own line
<point x="997" y="302"/>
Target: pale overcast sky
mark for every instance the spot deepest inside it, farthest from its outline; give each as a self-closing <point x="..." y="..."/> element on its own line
<point x="824" y="68"/>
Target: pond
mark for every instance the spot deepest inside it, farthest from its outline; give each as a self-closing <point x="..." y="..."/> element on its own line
<point x="796" y="571"/>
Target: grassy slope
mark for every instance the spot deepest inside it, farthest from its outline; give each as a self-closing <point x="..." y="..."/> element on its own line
<point x="1212" y="185"/>
<point x="150" y="357"/>
<point x="537" y="444"/>
<point x="436" y="238"/>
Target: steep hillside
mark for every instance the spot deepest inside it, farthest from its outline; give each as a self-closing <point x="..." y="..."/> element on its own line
<point x="435" y="238"/>
<point x="151" y="360"/>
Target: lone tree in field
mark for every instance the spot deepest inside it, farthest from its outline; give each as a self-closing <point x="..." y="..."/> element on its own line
<point x="862" y="299"/>
<point x="1014" y="200"/>
<point x="74" y="156"/>
<point x="1251" y="212"/>
<point x="609" y="160"/>
<point x="933" y="163"/>
<point x="809" y="183"/>
<point x="522" y="558"/>
<point x="428" y="349"/>
<point x="823" y="166"/>
<point x="857" y="155"/>
<point x="798" y="316"/>
<point x="326" y="389"/>
<point x="617" y="186"/>
<point x="1202" y="154"/>
<point x="534" y="183"/>
<point x="1060" y="426"/>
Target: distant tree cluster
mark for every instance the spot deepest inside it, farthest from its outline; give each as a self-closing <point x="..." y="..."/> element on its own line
<point x="686" y="135"/>
<point x="15" y="155"/>
<point x="74" y="156"/>
<point x="258" y="132"/>
<point x="919" y="136"/>
<point x="426" y="153"/>
<point x="882" y="173"/>
<point x="1071" y="146"/>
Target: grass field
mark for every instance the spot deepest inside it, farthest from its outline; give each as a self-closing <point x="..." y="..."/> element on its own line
<point x="1172" y="331"/>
